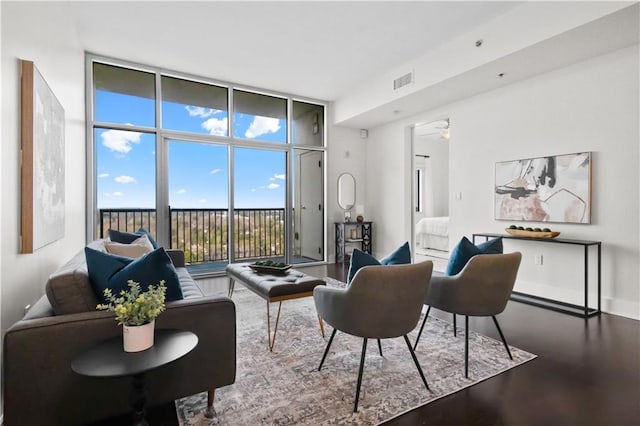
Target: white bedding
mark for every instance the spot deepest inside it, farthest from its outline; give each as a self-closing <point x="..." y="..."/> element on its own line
<point x="433" y="232"/>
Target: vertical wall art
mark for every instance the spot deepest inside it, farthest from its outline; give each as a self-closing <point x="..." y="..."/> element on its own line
<point x="545" y="189"/>
<point x="42" y="175"/>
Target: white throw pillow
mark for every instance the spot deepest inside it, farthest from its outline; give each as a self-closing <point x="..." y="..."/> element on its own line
<point x="138" y="247"/>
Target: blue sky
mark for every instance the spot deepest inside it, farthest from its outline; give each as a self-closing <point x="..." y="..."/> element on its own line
<point x="198" y="172"/>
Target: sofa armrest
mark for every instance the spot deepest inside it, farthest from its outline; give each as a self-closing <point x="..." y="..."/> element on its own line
<point x="177" y="257"/>
<point x="39" y="386"/>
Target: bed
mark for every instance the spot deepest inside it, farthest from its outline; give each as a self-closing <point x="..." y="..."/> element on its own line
<point x="433" y="233"/>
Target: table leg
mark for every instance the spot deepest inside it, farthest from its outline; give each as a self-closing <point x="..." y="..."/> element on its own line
<point x="232" y="284"/>
<point x="271" y="342"/>
<point x="586" y="281"/>
<point x="138" y="400"/>
<point x="599" y="278"/>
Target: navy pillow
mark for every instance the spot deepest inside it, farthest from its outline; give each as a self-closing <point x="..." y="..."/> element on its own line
<point x="465" y="250"/>
<point x="400" y="256"/>
<point x="110" y="271"/>
<point x="358" y="260"/>
<point x="129" y="237"/>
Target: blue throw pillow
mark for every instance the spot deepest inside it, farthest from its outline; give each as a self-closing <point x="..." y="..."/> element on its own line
<point x="358" y="260"/>
<point x="114" y="272"/>
<point x="129" y="237"/>
<point x="465" y="250"/>
<point x="400" y="256"/>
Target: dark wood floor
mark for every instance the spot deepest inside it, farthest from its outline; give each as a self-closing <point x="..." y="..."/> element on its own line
<point x="587" y="373"/>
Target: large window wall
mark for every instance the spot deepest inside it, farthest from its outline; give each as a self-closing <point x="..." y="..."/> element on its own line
<point x="225" y="173"/>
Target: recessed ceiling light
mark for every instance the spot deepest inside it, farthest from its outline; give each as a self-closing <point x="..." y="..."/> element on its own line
<point x="479" y="43"/>
<point x="501" y="75"/>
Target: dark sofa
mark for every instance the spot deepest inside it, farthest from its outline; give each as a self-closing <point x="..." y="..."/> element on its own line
<point x="39" y="387"/>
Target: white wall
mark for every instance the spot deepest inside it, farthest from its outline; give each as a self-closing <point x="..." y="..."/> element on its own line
<point x="345" y="153"/>
<point x="589" y="106"/>
<point x="41" y="33"/>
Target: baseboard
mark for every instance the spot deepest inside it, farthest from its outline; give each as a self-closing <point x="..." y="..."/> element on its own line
<point x="623" y="308"/>
<point x="609" y="305"/>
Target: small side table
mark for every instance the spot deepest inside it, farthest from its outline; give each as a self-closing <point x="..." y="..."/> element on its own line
<point x="108" y="359"/>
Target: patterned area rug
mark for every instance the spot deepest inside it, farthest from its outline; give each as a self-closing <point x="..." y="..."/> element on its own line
<point x="284" y="387"/>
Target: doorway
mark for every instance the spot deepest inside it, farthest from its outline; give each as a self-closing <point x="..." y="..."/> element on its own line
<point x="430" y="201"/>
<point x="308" y="206"/>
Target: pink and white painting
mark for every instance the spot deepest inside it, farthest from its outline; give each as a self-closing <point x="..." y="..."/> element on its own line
<point x="545" y="189"/>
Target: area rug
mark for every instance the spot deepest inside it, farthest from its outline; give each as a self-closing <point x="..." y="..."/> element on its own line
<point x="284" y="387"/>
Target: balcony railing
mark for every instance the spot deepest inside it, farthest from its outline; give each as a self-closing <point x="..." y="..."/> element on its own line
<point x="203" y="233"/>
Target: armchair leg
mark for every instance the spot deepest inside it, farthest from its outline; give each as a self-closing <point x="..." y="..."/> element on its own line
<point x="455" y="326"/>
<point x="504" y="341"/>
<point x="466" y="346"/>
<point x="380" y="347"/>
<point x="415" y="360"/>
<point x="424" y="321"/>
<point x="364" y="351"/>
<point x="208" y="413"/>
<point x="326" y="351"/>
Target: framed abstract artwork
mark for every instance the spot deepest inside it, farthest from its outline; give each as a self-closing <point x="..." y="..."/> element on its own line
<point x="42" y="162"/>
<point x="544" y="189"/>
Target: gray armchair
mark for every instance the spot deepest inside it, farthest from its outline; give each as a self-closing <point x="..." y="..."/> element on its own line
<point x="382" y="302"/>
<point x="481" y="289"/>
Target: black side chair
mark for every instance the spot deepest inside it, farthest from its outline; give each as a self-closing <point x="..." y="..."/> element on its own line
<point x="382" y="302"/>
<point x="481" y="289"/>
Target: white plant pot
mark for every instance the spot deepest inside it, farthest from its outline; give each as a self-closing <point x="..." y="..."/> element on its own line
<point x="137" y="338"/>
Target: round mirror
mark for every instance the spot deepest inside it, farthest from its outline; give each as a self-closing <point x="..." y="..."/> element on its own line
<point x="346" y="191"/>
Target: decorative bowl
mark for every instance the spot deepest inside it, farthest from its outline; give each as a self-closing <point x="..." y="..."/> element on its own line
<point x="532" y="234"/>
<point x="275" y="270"/>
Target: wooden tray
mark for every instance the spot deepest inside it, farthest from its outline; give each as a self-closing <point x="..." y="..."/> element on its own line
<point x="532" y="234"/>
<point x="275" y="270"/>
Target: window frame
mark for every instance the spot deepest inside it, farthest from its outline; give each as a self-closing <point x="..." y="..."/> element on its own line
<point x="163" y="135"/>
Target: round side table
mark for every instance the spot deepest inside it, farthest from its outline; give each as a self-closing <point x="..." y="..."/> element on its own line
<point x="108" y="359"/>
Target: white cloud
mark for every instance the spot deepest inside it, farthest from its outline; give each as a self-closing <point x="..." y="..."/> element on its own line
<point x="124" y="179"/>
<point x="262" y="125"/>
<point x="196" y="111"/>
<point x="103" y="175"/>
<point x="114" y="194"/>
<point x="202" y="200"/>
<point x="215" y="126"/>
<point x="273" y="186"/>
<point x="120" y="140"/>
<point x="253" y="190"/>
<point x="181" y="191"/>
<point x="282" y="176"/>
<point x="214" y="171"/>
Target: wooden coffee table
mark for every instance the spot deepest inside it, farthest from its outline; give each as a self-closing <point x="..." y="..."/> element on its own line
<point x="291" y="284"/>
<point x="108" y="359"/>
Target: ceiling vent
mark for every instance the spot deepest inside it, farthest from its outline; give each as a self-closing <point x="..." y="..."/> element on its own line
<point x="403" y="81"/>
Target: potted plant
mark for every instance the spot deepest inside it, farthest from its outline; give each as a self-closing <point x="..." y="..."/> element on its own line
<point x="136" y="311"/>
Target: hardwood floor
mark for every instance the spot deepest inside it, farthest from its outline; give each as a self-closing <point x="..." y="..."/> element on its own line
<point x="587" y="371"/>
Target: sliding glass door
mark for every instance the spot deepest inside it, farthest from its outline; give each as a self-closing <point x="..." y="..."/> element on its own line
<point x="199" y="201"/>
<point x="259" y="186"/>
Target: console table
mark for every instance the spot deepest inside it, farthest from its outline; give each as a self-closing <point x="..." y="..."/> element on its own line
<point x="556" y="305"/>
<point x="363" y="236"/>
